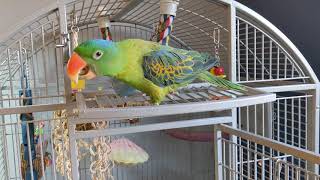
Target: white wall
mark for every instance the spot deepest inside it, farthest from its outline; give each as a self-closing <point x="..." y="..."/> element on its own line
<point x="15" y="13"/>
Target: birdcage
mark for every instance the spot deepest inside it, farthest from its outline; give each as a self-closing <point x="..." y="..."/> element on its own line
<point x="52" y="129"/>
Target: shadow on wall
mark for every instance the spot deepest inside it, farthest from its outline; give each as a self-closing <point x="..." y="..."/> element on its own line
<point x="298" y="20"/>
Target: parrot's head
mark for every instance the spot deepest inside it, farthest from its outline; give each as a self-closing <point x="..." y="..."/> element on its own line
<point x="94" y="58"/>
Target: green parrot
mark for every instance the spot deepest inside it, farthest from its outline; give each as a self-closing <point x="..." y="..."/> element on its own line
<point x="152" y="68"/>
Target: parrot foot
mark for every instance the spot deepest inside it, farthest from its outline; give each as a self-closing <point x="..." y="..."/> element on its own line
<point x="170" y="96"/>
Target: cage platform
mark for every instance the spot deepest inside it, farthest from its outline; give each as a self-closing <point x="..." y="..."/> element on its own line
<point x="201" y="97"/>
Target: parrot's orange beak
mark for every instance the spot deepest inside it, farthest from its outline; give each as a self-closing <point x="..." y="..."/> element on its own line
<point x="78" y="67"/>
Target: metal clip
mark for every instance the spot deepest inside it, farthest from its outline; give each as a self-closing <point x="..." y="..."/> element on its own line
<point x="216" y="41"/>
<point x="65" y="40"/>
<point x="216" y="36"/>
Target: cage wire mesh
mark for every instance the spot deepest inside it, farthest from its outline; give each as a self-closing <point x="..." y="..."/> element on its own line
<point x="31" y="56"/>
<point x="32" y="63"/>
<point x="257" y="161"/>
<point x="284" y="120"/>
<point x="262" y="59"/>
<point x="16" y="155"/>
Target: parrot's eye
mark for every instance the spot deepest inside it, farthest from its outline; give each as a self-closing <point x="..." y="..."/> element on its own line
<point x="97" y="55"/>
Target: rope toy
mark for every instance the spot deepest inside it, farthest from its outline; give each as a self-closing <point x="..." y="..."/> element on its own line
<point x="168" y="9"/>
<point x="104" y="26"/>
<point x="101" y="164"/>
<point x="99" y="150"/>
<point x="164" y="28"/>
<point x="61" y="145"/>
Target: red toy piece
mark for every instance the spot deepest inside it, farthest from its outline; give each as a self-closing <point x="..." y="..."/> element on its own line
<point x="218" y="71"/>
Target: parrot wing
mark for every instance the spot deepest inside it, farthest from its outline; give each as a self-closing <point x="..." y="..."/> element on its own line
<point x="170" y="66"/>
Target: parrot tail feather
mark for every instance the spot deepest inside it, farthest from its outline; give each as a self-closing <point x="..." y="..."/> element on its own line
<point x="220" y="82"/>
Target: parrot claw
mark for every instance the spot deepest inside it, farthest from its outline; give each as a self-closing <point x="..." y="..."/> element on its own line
<point x="170" y="96"/>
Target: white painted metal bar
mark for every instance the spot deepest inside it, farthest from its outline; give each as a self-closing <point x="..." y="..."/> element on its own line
<point x="152" y="127"/>
<point x="271" y="172"/>
<point x="278" y="62"/>
<point x="292" y="70"/>
<point x="32" y="108"/>
<point x="44" y="63"/>
<point x="10" y="74"/>
<point x="14" y="150"/>
<point x="241" y="160"/>
<point x="32" y="60"/>
<point x="285" y="120"/>
<point x="306" y="121"/>
<point x="57" y="82"/>
<point x="255" y="55"/>
<point x="42" y="155"/>
<point x="316" y="116"/>
<point x="285" y="67"/>
<point x="5" y="145"/>
<point x="4" y="141"/>
<point x="292" y="121"/>
<point x="18" y="147"/>
<point x="262" y="53"/>
<point x="150" y="111"/>
<point x="74" y="152"/>
<point x="285" y="88"/>
<point x="278" y="120"/>
<point x="224" y="159"/>
<point x="230" y="160"/>
<point x="293" y="97"/>
<point x="238" y="49"/>
<point x="21" y="62"/>
<point x="286" y="172"/>
<point x="263" y="148"/>
<point x="218" y="154"/>
<point x="248" y="158"/>
<point x="270" y="60"/>
<point x="247" y="54"/>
